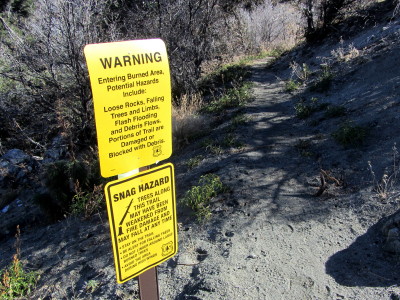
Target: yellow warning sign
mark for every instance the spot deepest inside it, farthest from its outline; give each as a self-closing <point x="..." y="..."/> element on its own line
<point x="131" y="88"/>
<point x="142" y="214"/>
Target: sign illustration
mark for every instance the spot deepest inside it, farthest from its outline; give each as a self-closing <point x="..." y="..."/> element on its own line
<point x="142" y="215"/>
<point x="131" y="88"/>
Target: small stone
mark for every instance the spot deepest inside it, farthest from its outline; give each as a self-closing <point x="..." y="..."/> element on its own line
<point x="252" y="256"/>
<point x="229" y="233"/>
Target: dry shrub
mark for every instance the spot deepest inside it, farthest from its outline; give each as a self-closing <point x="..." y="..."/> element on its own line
<point x="271" y="26"/>
<point x="345" y="53"/>
<point x="42" y="59"/>
<point x="187" y="121"/>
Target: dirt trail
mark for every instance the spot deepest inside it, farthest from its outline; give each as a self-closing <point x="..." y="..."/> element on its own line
<point x="280" y="242"/>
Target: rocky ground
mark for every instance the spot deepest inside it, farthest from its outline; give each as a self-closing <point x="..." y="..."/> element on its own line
<point x="270" y="236"/>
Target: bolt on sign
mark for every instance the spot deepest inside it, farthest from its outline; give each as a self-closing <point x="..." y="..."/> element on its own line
<point x="143" y="225"/>
<point x="131" y="89"/>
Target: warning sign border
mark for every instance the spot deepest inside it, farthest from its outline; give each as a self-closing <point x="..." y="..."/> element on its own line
<point x="136" y="158"/>
<point x="114" y="232"/>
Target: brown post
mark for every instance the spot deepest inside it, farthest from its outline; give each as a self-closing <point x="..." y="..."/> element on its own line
<point x="148" y="285"/>
<point x="148" y="281"/>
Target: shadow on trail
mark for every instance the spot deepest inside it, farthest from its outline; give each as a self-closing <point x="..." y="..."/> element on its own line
<point x="270" y="176"/>
<point x="364" y="263"/>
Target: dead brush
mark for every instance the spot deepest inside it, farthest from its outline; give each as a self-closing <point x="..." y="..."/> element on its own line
<point x="301" y="72"/>
<point x="187" y="122"/>
<point x="385" y="188"/>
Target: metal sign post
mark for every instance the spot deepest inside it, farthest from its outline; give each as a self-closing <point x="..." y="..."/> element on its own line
<point x="148" y="285"/>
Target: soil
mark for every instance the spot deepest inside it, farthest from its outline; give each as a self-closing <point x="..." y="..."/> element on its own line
<point x="270" y="236"/>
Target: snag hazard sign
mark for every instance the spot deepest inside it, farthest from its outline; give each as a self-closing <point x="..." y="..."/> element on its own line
<point x="131" y="87"/>
<point x="142" y="214"/>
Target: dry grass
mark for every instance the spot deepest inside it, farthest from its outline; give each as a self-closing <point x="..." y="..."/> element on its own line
<point x="345" y="53"/>
<point x="386" y="189"/>
<point x="186" y="120"/>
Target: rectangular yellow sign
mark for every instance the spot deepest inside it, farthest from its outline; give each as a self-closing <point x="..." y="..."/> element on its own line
<point x="142" y="215"/>
<point x="131" y="89"/>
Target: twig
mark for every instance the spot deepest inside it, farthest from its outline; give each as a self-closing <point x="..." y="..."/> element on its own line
<point x="27" y="137"/>
<point x="331" y="178"/>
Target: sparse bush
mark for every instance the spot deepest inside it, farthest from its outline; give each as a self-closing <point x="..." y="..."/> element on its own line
<point x="187" y="121"/>
<point x="344" y="54"/>
<point x="198" y="198"/>
<point x="194" y="161"/>
<point x="15" y="281"/>
<point x="73" y="186"/>
<point x="230" y="140"/>
<point x="237" y="120"/>
<point x="91" y="286"/>
<point x="234" y="97"/>
<point x="224" y="77"/>
<point x="292" y="86"/>
<point x="349" y="135"/>
<point x="304" y="147"/>
<point x="211" y="146"/>
<point x="301" y="72"/>
<point x="305" y="109"/>
<point x="385" y="188"/>
<point x="85" y="202"/>
<point x="324" y="81"/>
<point x="240" y="119"/>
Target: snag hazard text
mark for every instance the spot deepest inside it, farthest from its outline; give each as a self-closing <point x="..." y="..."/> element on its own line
<point x="142" y="213"/>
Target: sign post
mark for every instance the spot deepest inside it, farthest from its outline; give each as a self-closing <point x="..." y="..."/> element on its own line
<point x="131" y="89"/>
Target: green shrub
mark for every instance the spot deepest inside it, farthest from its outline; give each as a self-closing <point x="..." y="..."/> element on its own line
<point x="15" y="281"/>
<point x="198" y="198"/>
<point x="194" y="161"/>
<point x="305" y="109"/>
<point x="304" y="147"/>
<point x="240" y="119"/>
<point x="349" y="135"/>
<point x="230" y="141"/>
<point x="233" y="97"/>
<point x="87" y="203"/>
<point x="91" y="286"/>
<point x="324" y="81"/>
<point x="292" y="85"/>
